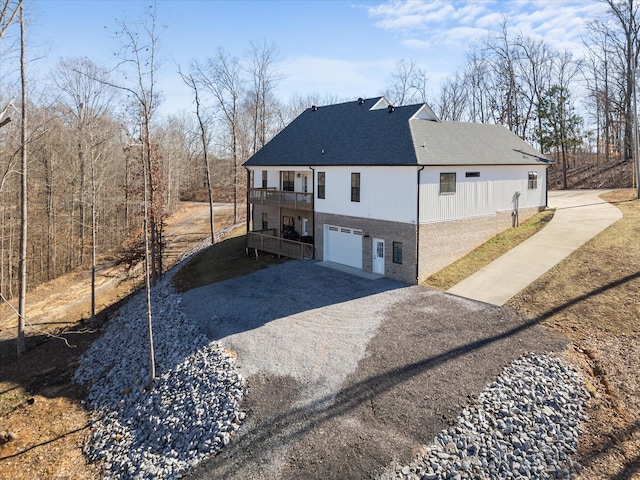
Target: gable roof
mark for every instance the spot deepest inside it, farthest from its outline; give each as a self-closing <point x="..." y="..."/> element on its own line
<point x="371" y="132"/>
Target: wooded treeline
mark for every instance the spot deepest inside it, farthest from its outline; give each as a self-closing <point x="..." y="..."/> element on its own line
<point x="571" y="108"/>
<point x="95" y="135"/>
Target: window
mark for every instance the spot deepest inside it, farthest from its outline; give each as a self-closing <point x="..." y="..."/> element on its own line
<point x="265" y="221"/>
<point x="533" y="180"/>
<point x="289" y="228"/>
<point x="397" y="252"/>
<point x="288" y="179"/>
<point x="472" y="174"/>
<point x="355" y="187"/>
<point x="264" y="179"/>
<point x="447" y="183"/>
<point x="321" y="184"/>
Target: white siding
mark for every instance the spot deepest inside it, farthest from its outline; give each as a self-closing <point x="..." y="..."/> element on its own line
<point x="390" y="193"/>
<point x="299" y="181"/>
<point x="386" y="193"/>
<point x="494" y="191"/>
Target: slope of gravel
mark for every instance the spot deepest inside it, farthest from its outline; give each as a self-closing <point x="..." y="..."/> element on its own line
<point x="193" y="408"/>
<point x="525" y="424"/>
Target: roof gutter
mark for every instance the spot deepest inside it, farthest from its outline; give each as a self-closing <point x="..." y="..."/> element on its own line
<point x="418" y="228"/>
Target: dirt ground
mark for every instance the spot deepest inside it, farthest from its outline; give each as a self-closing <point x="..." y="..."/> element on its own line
<point x="39" y="405"/>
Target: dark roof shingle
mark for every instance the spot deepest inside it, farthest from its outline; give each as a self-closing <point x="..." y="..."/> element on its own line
<point x="352" y="133"/>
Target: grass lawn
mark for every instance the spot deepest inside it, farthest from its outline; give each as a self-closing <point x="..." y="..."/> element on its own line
<point x="596" y="287"/>
<point x="487" y="252"/>
<point x="224" y="260"/>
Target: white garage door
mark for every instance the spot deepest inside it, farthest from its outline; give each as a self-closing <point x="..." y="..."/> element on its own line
<point x="343" y="245"/>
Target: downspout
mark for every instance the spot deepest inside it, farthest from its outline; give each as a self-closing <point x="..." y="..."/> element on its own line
<point x="546" y="187"/>
<point x="418" y="229"/>
<point x="313" y="210"/>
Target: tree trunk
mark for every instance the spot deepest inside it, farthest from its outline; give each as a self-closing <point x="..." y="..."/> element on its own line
<point x="207" y="166"/>
<point x="23" y="194"/>
<point x="147" y="279"/>
<point x="93" y="241"/>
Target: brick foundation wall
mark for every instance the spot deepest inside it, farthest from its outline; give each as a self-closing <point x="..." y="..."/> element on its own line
<point x="388" y="231"/>
<point x="443" y="243"/>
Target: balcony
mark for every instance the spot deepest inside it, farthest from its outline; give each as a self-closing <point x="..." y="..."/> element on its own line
<point x="282" y="199"/>
<point x="266" y="241"/>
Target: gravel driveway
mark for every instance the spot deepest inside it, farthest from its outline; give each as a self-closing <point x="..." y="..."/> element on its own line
<point x="347" y="374"/>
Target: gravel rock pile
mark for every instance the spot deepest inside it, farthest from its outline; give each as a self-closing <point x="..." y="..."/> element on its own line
<point x="524" y="425"/>
<point x="191" y="411"/>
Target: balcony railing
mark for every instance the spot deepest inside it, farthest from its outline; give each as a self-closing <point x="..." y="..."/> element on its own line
<point x="279" y="246"/>
<point x="279" y="198"/>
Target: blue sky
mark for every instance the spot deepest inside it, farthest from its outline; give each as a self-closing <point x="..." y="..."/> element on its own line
<point x="342" y="48"/>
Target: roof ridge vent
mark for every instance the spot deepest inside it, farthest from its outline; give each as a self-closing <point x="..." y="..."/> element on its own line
<point x="360" y="101"/>
<point x="390" y="108"/>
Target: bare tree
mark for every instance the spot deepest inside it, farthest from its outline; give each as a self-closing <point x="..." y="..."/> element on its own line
<point x="138" y="53"/>
<point x="86" y="96"/>
<point x="452" y="102"/>
<point x="627" y="44"/>
<point x="535" y="70"/>
<point x="221" y="77"/>
<point x="597" y="78"/>
<point x="8" y="12"/>
<point x="190" y="81"/>
<point x="263" y="78"/>
<point x="407" y="84"/>
<point x="23" y="193"/>
<point x="478" y="87"/>
<point x="505" y="86"/>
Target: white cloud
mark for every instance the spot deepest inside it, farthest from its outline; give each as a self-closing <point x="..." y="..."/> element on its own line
<point x="435" y="24"/>
<point x="457" y="36"/>
<point x="410" y="14"/>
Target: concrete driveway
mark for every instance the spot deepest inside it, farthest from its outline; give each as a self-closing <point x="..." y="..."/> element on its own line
<point x="579" y="216"/>
<point x="346" y="374"/>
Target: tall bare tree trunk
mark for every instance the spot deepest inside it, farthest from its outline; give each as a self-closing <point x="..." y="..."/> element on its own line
<point x="147" y="276"/>
<point x="93" y="239"/>
<point x="191" y="82"/>
<point x="23" y="194"/>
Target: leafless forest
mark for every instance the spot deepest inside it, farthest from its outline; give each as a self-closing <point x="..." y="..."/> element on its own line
<point x="88" y="165"/>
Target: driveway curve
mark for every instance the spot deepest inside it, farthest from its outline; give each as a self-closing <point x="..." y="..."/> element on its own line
<point x="579" y="216"/>
<point x="347" y="374"/>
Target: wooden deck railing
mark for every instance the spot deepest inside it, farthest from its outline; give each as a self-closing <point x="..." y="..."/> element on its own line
<point x="279" y="246"/>
<point x="279" y="198"/>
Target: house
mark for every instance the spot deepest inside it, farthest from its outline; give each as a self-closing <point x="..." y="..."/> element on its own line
<point x="389" y="190"/>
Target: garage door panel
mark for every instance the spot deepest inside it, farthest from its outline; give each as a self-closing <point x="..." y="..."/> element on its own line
<point x="343" y="245"/>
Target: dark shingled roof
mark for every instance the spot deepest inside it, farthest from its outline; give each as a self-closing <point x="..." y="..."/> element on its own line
<point x="353" y="134"/>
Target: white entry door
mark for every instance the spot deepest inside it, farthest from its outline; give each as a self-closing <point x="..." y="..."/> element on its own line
<point x="378" y="256"/>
